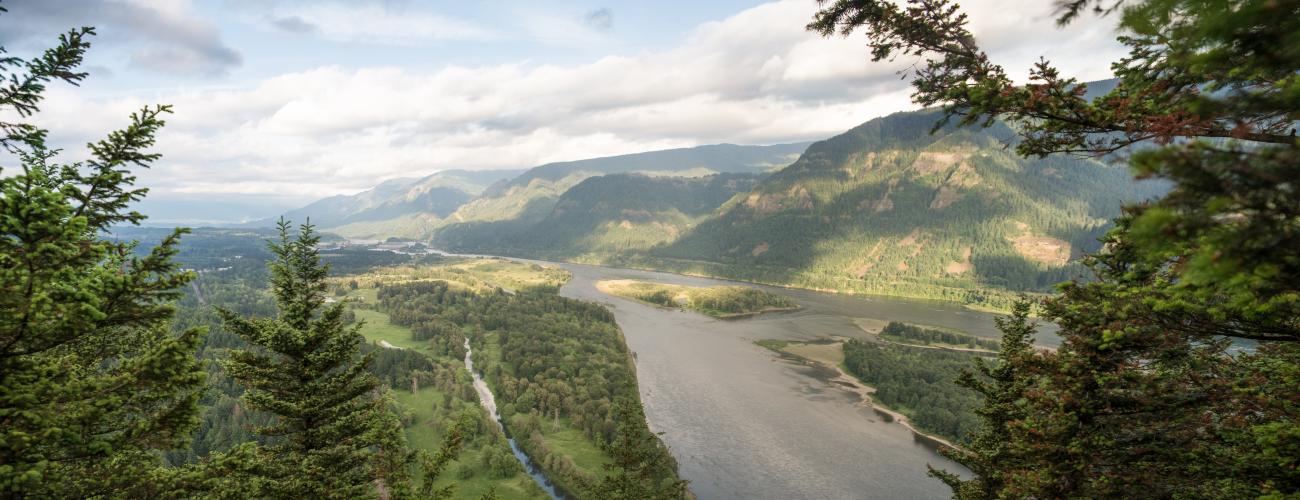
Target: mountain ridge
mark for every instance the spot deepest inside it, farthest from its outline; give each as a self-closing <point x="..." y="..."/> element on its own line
<point x="885" y="208"/>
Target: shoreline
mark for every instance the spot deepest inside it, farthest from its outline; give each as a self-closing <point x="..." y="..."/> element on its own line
<point x="875" y="334"/>
<point x="605" y="287"/>
<point x="847" y="382"/>
<point x="865" y="391"/>
<point x="787" y="286"/>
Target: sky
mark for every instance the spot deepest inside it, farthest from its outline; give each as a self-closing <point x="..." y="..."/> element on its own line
<point x="280" y="102"/>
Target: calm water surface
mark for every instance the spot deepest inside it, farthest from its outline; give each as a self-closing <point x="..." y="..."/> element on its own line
<point x="743" y="423"/>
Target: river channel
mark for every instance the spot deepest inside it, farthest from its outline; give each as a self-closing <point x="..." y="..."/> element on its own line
<point x="489" y="402"/>
<point x="745" y="423"/>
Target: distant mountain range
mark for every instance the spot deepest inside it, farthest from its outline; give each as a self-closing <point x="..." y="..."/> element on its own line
<point x="415" y="208"/>
<point x="886" y="207"/>
<point x="532" y="195"/>
<point x="405" y="207"/>
<point x="603" y="216"/>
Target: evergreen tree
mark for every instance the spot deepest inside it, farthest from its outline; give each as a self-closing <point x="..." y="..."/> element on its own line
<point x="1002" y="386"/>
<point x="641" y="468"/>
<point x="92" y="383"/>
<point x="334" y="436"/>
<point x="1147" y="393"/>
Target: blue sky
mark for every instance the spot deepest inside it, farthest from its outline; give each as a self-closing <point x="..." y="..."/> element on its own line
<point x="283" y="101"/>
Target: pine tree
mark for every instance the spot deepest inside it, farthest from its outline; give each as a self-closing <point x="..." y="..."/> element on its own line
<point x="334" y="436"/>
<point x="641" y="468"/>
<point x="1003" y="386"/>
<point x="1176" y="373"/>
<point x="93" y="385"/>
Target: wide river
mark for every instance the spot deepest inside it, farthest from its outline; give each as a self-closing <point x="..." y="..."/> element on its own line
<point x="744" y="423"/>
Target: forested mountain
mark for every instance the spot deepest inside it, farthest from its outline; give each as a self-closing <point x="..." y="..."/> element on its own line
<point x="888" y="204"/>
<point x="413" y="208"/>
<point x="404" y="207"/>
<point x="532" y="195"/>
<point x="606" y="215"/>
<point x="886" y="207"/>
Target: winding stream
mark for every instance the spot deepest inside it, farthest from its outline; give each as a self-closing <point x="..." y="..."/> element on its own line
<point x="489" y="402"/>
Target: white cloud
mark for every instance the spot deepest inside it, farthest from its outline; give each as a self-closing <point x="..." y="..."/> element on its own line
<point x="756" y="77"/>
<point x="167" y="36"/>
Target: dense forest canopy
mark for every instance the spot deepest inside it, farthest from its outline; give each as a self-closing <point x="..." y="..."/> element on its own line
<point x="920" y="383"/>
<point x="553" y="363"/>
<point x="913" y="334"/>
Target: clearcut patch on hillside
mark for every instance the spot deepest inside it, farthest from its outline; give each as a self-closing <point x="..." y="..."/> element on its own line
<point x="1042" y="249"/>
<point x="964" y="266"/>
<point x="931" y="162"/>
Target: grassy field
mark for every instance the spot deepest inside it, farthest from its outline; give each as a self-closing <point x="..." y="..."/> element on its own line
<point x="513" y="275"/>
<point x="870" y="325"/>
<point x="377" y="328"/>
<point x="466" y="273"/>
<point x="569" y="441"/>
<point x="723" y="302"/>
<point x="427" y="432"/>
<point x="828" y="353"/>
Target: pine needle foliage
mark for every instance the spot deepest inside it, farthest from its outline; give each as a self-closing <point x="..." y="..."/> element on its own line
<point x="334" y="435"/>
<point x="1177" y="372"/>
<point x="93" y="383"/>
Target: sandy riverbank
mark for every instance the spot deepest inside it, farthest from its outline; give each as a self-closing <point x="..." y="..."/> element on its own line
<point x="831" y="356"/>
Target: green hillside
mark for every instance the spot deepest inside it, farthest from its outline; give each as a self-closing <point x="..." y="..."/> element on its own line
<point x="888" y="208"/>
<point x="605" y="216"/>
<point x="532" y="195"/>
<point x="885" y="208"/>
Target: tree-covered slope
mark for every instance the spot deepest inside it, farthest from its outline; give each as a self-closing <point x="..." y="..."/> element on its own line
<point x="532" y="195"/>
<point x="888" y="207"/>
<point x="605" y="216"/>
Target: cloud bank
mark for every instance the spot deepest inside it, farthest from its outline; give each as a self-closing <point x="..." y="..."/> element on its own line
<point x="754" y="78"/>
<point x="165" y="36"/>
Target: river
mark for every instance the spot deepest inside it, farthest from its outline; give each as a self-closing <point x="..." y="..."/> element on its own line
<point x="744" y="423"/>
<point x="489" y="402"/>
